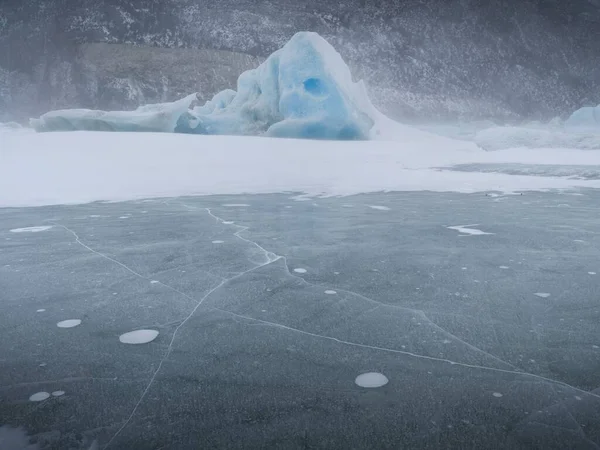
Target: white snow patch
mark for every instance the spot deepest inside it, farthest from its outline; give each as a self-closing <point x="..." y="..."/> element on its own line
<point x="151" y="282"/>
<point x="154" y="165"/>
<point x="41" y="310"/>
<point x="228" y="222"/>
<point x="591" y="273"/>
<point x="371" y="380"/>
<point x="465" y="229"/>
<point x="218" y="242"/>
<point x="300" y="270"/>
<point x="70" y="323"/>
<point x="330" y="292"/>
<point x="124" y="217"/>
<point x="542" y="294"/>
<point x="39" y="397"/>
<point x="504" y="267"/>
<point x="138" y="337"/>
<point x="31" y="229"/>
<point x="379" y="208"/>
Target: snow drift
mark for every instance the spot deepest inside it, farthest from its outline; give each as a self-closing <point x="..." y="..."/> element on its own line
<point x="303" y="90"/>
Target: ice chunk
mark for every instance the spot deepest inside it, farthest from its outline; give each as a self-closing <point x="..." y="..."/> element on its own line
<point x="303" y="90"/>
<point x="500" y="138"/>
<point x="587" y="117"/>
<point x="161" y="117"/>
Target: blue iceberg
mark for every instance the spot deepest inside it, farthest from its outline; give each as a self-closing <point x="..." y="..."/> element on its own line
<point x="588" y="117"/>
<point x="303" y="90"/>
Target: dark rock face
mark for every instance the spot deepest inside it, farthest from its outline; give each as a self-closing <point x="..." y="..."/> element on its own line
<point x="436" y="59"/>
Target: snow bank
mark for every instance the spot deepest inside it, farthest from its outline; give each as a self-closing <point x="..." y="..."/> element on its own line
<point x="303" y="90"/>
<point x="80" y="167"/>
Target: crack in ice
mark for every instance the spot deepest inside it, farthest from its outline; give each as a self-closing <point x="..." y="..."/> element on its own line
<point x="271" y="257"/>
<point x="403" y="352"/>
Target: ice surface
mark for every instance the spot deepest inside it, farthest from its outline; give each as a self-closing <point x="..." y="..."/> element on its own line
<point x="587" y="117"/>
<point x="404" y="308"/>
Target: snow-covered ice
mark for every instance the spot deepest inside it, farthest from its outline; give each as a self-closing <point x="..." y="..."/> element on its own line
<point x="83" y="167"/>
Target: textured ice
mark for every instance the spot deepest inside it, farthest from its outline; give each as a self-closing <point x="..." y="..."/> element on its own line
<point x="303" y="90"/>
<point x="587" y="117"/>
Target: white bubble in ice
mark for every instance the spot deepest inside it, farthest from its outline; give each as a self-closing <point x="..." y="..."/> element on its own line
<point x="542" y="294"/>
<point x="330" y="292"/>
<point x="497" y="394"/>
<point x="58" y="393"/>
<point x="371" y="380"/>
<point x="41" y="310"/>
<point x="68" y="323"/>
<point x="218" y="242"/>
<point x="39" y="397"/>
<point x="31" y="229"/>
<point x="138" y="337"/>
<point x="300" y="270"/>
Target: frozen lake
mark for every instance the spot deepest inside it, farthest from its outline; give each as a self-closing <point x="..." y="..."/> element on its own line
<point x="400" y="320"/>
